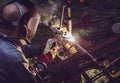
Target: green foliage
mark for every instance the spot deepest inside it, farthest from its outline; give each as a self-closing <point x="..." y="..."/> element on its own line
<point x="96" y="10"/>
<point x="105" y="3"/>
<point x="92" y="72"/>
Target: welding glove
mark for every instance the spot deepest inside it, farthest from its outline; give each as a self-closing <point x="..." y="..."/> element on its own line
<point x="50" y="51"/>
<point x="51" y="46"/>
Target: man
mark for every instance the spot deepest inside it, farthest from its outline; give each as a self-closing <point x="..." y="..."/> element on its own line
<point x="20" y="20"/>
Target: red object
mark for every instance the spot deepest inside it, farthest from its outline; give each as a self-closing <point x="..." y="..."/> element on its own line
<point x="43" y="46"/>
<point x="46" y="58"/>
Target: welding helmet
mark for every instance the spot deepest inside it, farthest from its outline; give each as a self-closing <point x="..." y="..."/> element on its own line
<point x="25" y="16"/>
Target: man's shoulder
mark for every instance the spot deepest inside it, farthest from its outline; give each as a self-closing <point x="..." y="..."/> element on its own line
<point x="8" y="51"/>
<point x="5" y="44"/>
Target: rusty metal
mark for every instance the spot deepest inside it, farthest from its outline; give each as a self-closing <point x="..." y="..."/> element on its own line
<point x="80" y="62"/>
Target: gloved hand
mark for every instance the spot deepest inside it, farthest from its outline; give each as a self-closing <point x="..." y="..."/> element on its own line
<point x="51" y="46"/>
<point x="50" y="51"/>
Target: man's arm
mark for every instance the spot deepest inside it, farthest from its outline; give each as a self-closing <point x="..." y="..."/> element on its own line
<point x="31" y="51"/>
<point x="46" y="52"/>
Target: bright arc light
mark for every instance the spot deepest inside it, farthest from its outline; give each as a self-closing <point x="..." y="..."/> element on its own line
<point x="70" y="37"/>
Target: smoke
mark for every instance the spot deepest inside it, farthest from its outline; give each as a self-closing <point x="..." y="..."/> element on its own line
<point x="49" y="11"/>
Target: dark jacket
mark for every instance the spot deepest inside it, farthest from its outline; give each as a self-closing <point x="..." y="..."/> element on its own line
<point x="12" y="69"/>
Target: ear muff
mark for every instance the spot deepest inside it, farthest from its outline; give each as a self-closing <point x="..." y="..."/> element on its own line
<point x="14" y="23"/>
<point x="21" y="11"/>
<point x="27" y="22"/>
